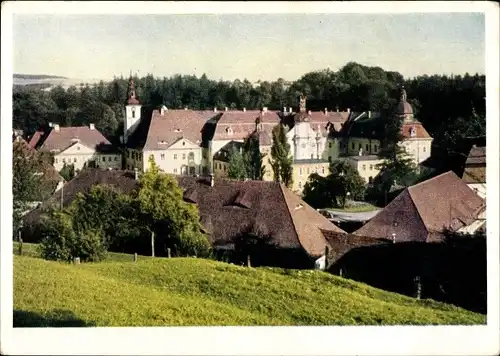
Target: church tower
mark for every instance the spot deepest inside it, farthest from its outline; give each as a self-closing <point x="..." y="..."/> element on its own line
<point x="132" y="111"/>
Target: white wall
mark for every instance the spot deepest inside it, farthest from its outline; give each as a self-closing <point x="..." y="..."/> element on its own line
<point x="418" y="149"/>
<point x="479" y="188"/>
<point x="79" y="154"/>
<point x="175" y="159"/>
<point x="306" y="145"/>
<point x="131" y="120"/>
<point x="367" y="168"/>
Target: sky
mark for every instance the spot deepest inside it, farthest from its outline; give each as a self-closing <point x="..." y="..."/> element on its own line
<point x="252" y="46"/>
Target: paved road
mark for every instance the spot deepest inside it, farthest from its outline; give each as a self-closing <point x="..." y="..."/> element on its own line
<point x="349" y="216"/>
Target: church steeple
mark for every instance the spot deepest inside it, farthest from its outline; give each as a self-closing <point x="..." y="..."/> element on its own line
<point x="131" y="96"/>
<point x="403" y="94"/>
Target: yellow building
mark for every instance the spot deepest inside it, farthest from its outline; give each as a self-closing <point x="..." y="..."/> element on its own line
<point x="366" y="166"/>
<point x="302" y="169"/>
<point x="222" y="156"/>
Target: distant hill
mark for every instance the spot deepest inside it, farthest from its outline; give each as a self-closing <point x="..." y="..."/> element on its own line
<point x="200" y="292"/>
<point x="37" y="76"/>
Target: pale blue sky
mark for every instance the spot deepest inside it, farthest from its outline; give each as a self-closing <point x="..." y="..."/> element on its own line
<point x="253" y="46"/>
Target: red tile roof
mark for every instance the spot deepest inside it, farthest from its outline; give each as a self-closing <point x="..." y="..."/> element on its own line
<point x="62" y="139"/>
<point x="243" y="123"/>
<point x="423" y="211"/>
<point x="164" y="130"/>
<point x="477" y="156"/>
<point x="340" y="244"/>
<point x="420" y="131"/>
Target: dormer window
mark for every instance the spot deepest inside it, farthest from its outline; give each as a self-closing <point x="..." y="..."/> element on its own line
<point x="162" y="142"/>
<point x="177" y="130"/>
<point x="413" y="132"/>
<point x="229" y="131"/>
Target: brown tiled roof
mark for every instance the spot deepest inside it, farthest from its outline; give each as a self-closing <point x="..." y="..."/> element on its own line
<point x="33" y="142"/>
<point x="340" y="244"/>
<point x="426" y="209"/>
<point x="477" y="156"/>
<point x="243" y="123"/>
<point x="231" y="207"/>
<point x="264" y="137"/>
<point x="164" y="130"/>
<point x="62" y="139"/>
<point x="420" y="131"/>
<point x="474" y="175"/>
<point x="336" y="119"/>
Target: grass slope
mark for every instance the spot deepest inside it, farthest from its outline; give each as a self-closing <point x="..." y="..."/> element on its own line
<point x="195" y="292"/>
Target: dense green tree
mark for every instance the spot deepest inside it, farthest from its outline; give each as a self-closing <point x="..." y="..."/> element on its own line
<point x="161" y="204"/>
<point x="67" y="172"/>
<point x="237" y="168"/>
<point x="281" y="158"/>
<point x="253" y="159"/>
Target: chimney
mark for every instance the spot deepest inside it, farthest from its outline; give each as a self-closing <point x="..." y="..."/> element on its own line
<point x="348" y="110"/>
<point x="290" y="110"/>
<point x="284" y="108"/>
<point x="244" y="109"/>
<point x="309" y="112"/>
<point x="186" y="108"/>
<point x="215" y="109"/>
<point x="56" y="127"/>
<point x="326" y="111"/>
<point x="212" y="180"/>
<point x="92" y="126"/>
<point x="393" y="238"/>
<point x="136" y="173"/>
<point x="264" y="109"/>
<point x="225" y="109"/>
<point x="51" y="124"/>
<point x="369" y="114"/>
<point x="337" y="109"/>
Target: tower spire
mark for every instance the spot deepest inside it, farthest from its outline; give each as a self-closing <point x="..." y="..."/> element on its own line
<point x="131" y="97"/>
<point x="403" y="94"/>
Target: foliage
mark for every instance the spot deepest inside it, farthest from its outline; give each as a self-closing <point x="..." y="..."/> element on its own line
<point x="26" y="183"/>
<point x="106" y="209"/>
<point x="237" y="168"/>
<point x="67" y="172"/>
<point x="253" y="159"/>
<point x="332" y="190"/>
<point x="161" y="205"/>
<point x="62" y="242"/>
<point x="194" y="292"/>
<point x="281" y="159"/>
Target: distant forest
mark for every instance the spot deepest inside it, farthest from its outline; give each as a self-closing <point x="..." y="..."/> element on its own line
<point x="37" y="76"/>
<point x="452" y="108"/>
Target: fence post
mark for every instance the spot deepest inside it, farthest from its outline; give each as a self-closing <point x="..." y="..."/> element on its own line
<point x="326" y="257"/>
<point x="248" y="261"/>
<point x="169" y="253"/>
<point x="76" y="260"/>
<point x="419" y="287"/>
<point x="340" y="272"/>
<point x="135" y="257"/>
<point x="20" y="246"/>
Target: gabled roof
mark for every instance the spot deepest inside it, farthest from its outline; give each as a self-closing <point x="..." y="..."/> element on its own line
<point x="323" y="119"/>
<point x="420" y="131"/>
<point x="477" y="156"/>
<point x="423" y="211"/>
<point x="238" y="125"/>
<point x="224" y="153"/>
<point x="63" y="138"/>
<point x="167" y="128"/>
<point x="475" y="166"/>
<point x="232" y="207"/>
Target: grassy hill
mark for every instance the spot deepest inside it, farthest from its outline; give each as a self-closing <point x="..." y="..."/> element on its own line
<point x="195" y="292"/>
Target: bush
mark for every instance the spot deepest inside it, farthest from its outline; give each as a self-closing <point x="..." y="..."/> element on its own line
<point x="61" y="242"/>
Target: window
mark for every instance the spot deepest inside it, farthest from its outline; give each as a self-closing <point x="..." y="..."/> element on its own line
<point x="56" y="160"/>
<point x="183" y="143"/>
<point x="329" y="158"/>
<point x="323" y="170"/>
<point x="370" y="180"/>
<point x="312" y="155"/>
<point x="183" y="156"/>
<point x="74" y="160"/>
<point x="371" y="167"/>
<point x="360" y="146"/>
<point x="300" y="171"/>
<point x="175" y="170"/>
<point x="364" y="167"/>
<point x="376" y="148"/>
<point x="329" y="145"/>
<point x="424" y="148"/>
<point x="367" y="148"/>
<point x="64" y="160"/>
<point x="353" y="145"/>
<point x="300" y="184"/>
<point x="225" y="168"/>
<point x="151" y="157"/>
<point x="116" y="158"/>
<point x="133" y="113"/>
<point x="78" y="148"/>
<point x="191" y="155"/>
<point x="175" y="155"/>
<point x="162" y="156"/>
<point x="308" y="171"/>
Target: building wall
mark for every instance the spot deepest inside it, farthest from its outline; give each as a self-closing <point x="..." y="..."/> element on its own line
<point x="175" y="160"/>
<point x="301" y="173"/>
<point x="332" y="151"/>
<point x="79" y="155"/>
<point x="266" y="163"/>
<point x="132" y="119"/>
<point x="367" y="168"/>
<point x="479" y="188"/>
<point x="221" y="169"/>
<point x="418" y="149"/>
<point x="304" y="142"/>
<point x="369" y="146"/>
<point x="134" y="159"/>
